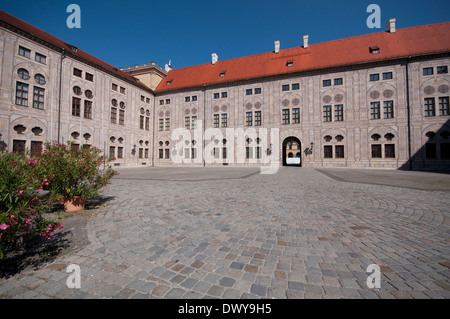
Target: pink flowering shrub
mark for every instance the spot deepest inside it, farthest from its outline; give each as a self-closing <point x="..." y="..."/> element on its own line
<point x="21" y="210"/>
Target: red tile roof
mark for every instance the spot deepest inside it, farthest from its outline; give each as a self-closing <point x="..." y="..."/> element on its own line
<point x="427" y="39"/>
<point x="32" y="31"/>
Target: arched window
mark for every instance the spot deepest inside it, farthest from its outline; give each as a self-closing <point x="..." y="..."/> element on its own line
<point x="23" y="74"/>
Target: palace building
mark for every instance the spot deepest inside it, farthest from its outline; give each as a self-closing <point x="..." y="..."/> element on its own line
<point x="377" y="100"/>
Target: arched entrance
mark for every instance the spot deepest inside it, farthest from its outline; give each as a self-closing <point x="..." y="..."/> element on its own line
<point x="292" y="152"/>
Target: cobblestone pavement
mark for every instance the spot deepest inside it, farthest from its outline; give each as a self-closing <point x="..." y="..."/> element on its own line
<point x="295" y="234"/>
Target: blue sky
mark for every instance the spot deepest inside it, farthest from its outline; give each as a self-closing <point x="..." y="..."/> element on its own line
<point x="125" y="33"/>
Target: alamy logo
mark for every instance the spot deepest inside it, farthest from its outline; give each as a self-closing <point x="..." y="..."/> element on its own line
<point x="74" y="20"/>
<point x="74" y="280"/>
<point x="374" y="20"/>
<point x="374" y="280"/>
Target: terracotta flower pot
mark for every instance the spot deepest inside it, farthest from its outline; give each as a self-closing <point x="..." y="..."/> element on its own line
<point x="74" y="204"/>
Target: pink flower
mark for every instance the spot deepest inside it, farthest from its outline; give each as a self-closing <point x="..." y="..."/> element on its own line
<point x="20" y="192"/>
<point x="31" y="162"/>
<point x="4" y="227"/>
<point x="28" y="221"/>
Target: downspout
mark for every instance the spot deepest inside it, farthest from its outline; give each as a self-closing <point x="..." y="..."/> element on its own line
<point x="63" y="56"/>
<point x="153" y="130"/>
<point x="204" y="126"/>
<point x="408" y="107"/>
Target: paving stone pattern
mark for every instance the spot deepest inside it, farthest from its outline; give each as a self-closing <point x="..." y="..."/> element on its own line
<point x="295" y="234"/>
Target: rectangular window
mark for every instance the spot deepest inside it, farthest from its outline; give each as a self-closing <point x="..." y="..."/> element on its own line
<point x="76" y="106"/>
<point x="224" y="120"/>
<point x="40" y="58"/>
<point x="19" y="146"/>
<point x="427" y="71"/>
<point x="88" y="110"/>
<point x="146" y="153"/>
<point x="167" y="101"/>
<point x="112" y="152"/>
<point x="187" y="123"/>
<point x="77" y="72"/>
<point x="445" y="150"/>
<point x="430" y="108"/>
<point x="161" y="102"/>
<point x="121" y="117"/>
<point x="249" y="119"/>
<point x="24" y="52"/>
<point x="194" y="122"/>
<point x="216" y="152"/>
<point x="38" y="98"/>
<point x="167" y="153"/>
<point x="224" y="152"/>
<point x="327" y="113"/>
<point x="285" y="117"/>
<point x="339" y="151"/>
<point x="216" y="122"/>
<point x="161" y="153"/>
<point x="147" y="123"/>
<point x="430" y="150"/>
<point x="388" y="109"/>
<point x="442" y="69"/>
<point x="141" y="122"/>
<point x="328" y="151"/>
<point x="122" y="90"/>
<point x="249" y="92"/>
<point x="161" y="125"/>
<point x="113" y="115"/>
<point x="339" y="113"/>
<point x="36" y="148"/>
<point x="376" y="151"/>
<point x="258" y="118"/>
<point x="296" y="116"/>
<point x="258" y="152"/>
<point x="444" y="106"/>
<point x="141" y="153"/>
<point x="389" y="151"/>
<point x="22" y="94"/>
<point x="142" y="98"/>
<point x="187" y="99"/>
<point x="248" y="152"/>
<point x="114" y="87"/>
<point x="258" y="91"/>
<point x="216" y="95"/>
<point x="387" y="76"/>
<point x="285" y="87"/>
<point x="295" y="86"/>
<point x="374" y="77"/>
<point x="120" y="152"/>
<point x="89" y="77"/>
<point x="187" y="154"/>
<point x="375" y="110"/>
<point x="193" y="153"/>
<point x="326" y="83"/>
<point x="224" y="95"/>
<point x="194" y="98"/>
<point x="339" y="81"/>
<point x="167" y="124"/>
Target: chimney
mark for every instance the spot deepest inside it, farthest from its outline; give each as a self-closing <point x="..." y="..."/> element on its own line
<point x="277" y="46"/>
<point x="215" y="58"/>
<point x="391" y="25"/>
<point x="168" y="67"/>
<point x="305" y="41"/>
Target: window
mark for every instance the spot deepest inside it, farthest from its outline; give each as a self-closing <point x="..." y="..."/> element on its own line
<point x="249" y="92"/>
<point x="445" y="150"/>
<point x="76" y="106"/>
<point x="285" y="117"/>
<point x="387" y="76"/>
<point x="187" y="99"/>
<point x="40" y="58"/>
<point x="147" y="100"/>
<point x="388" y="109"/>
<point x="147" y="123"/>
<point x="141" y="122"/>
<point x="430" y="150"/>
<point x="430" y="109"/>
<point x="120" y="152"/>
<point x="216" y="120"/>
<point x="375" y="110"/>
<point x="89" y="94"/>
<point x="224" y="120"/>
<point x="224" y="95"/>
<point x="24" y="52"/>
<point x="161" y="153"/>
<point x="374" y="50"/>
<point x="376" y="151"/>
<point x="112" y="152"/>
<point x="216" y="152"/>
<point x="167" y="151"/>
<point x="339" y="113"/>
<point x="23" y="74"/>
<point x="444" y="106"/>
<point x="114" y="87"/>
<point x="38" y="98"/>
<point x="187" y="153"/>
<point x="248" y="152"/>
<point x="121" y="117"/>
<point x="77" y="72"/>
<point x="187" y="123"/>
<point x="36" y="148"/>
<point x="339" y="151"/>
<point x="122" y="90"/>
<point x="442" y="69"/>
<point x="290" y="64"/>
<point x="389" y="151"/>
<point x="285" y="87"/>
<point x="374" y="77"/>
<point x="194" y="98"/>
<point x="161" y="125"/>
<point x="296" y="116"/>
<point x="258" y="91"/>
<point x="338" y="81"/>
<point x="142" y="98"/>
<point x="328" y="151"/>
<point x="141" y="153"/>
<point x="258" y="152"/>
<point x="427" y="71"/>
<point x="295" y="86"/>
<point x="258" y="119"/>
<point x="22" y="94"/>
<point x="167" y="101"/>
<point x="194" y="122"/>
<point x="216" y="95"/>
<point x="40" y="79"/>
<point x="326" y="83"/>
<point x="161" y="102"/>
<point x="19" y="146"/>
<point x="146" y="153"/>
<point x="327" y="113"/>
<point x="167" y="124"/>
<point x="113" y="115"/>
<point x="249" y="119"/>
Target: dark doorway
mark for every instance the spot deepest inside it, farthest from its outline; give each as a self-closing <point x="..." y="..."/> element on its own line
<point x="292" y="150"/>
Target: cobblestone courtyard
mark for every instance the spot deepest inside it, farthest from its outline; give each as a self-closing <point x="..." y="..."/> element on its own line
<point x="234" y="233"/>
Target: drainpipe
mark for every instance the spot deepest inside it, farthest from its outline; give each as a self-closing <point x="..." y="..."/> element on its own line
<point x="409" y="113"/>
<point x="63" y="56"/>
<point x="204" y="125"/>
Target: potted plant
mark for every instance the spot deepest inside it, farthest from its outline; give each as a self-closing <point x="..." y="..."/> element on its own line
<point x="75" y="174"/>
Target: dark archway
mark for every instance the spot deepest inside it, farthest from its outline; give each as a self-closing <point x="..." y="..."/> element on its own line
<point x="292" y="145"/>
